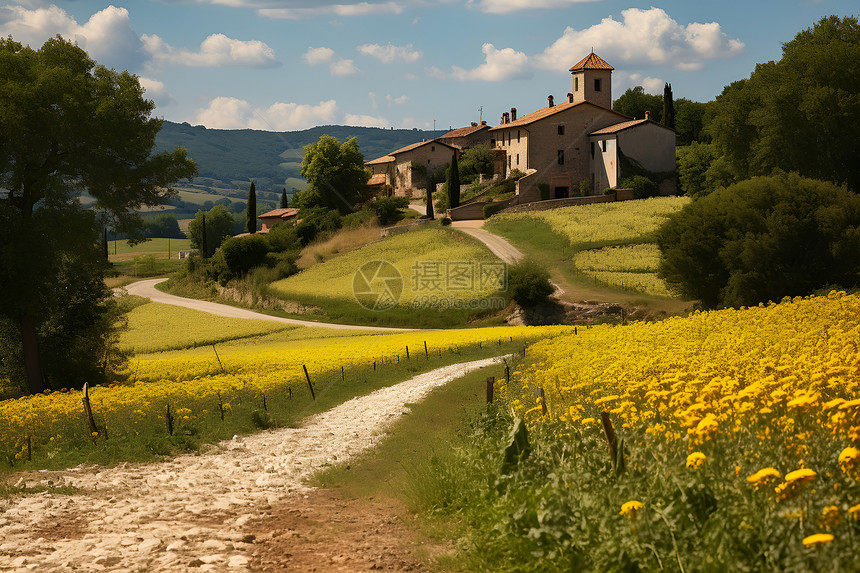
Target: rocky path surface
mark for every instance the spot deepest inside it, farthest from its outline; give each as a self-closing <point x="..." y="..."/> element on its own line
<point x="208" y="512"/>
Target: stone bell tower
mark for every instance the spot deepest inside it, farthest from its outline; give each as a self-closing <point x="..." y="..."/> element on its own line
<point x="592" y="81"/>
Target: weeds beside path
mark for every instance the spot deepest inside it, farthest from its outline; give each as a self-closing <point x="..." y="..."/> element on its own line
<point x="206" y="512"/>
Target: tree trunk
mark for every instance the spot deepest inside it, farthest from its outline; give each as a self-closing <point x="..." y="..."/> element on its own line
<point x="30" y="344"/>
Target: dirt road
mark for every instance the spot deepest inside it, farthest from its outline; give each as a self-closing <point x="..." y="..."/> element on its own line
<point x="498" y="245"/>
<point x="147" y="289"/>
<point x="240" y="506"/>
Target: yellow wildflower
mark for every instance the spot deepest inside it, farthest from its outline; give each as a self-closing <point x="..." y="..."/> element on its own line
<point x="830" y="517"/>
<point x="854" y="512"/>
<point x="817" y="539"/>
<point x="848" y="461"/>
<point x="695" y="460"/>
<point x="763" y="476"/>
<point x="631" y="509"/>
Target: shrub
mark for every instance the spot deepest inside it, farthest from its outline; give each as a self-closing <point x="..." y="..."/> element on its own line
<point x="491" y="209"/>
<point x="643" y="188"/>
<point x="445" y="221"/>
<point x="761" y="240"/>
<point x="241" y="254"/>
<point x="529" y="284"/>
<point x="584" y="188"/>
<point x="317" y="221"/>
<point x="387" y="209"/>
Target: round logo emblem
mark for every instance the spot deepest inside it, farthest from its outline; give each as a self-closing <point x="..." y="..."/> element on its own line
<point x="377" y="285"/>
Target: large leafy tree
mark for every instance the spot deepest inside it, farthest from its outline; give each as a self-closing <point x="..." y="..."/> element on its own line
<point x="337" y="179"/>
<point x="761" y="240"/>
<point x="801" y="113"/>
<point x="635" y="102"/>
<point x="208" y="229"/>
<point x="69" y="125"/>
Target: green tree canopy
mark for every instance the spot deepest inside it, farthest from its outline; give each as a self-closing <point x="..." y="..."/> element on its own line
<point x="761" y="240"/>
<point x="453" y="183"/>
<point x="635" y="102"/>
<point x="475" y="161"/>
<point x="336" y="175"/>
<point x="69" y="125"/>
<point x="218" y="225"/>
<point x="801" y="113"/>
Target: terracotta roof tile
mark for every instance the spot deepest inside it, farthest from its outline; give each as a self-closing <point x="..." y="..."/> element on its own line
<point x="625" y="125"/>
<point x="380" y="160"/>
<point x="546" y="112"/>
<point x="591" y="62"/>
<point x="377" y="179"/>
<point x="280" y="213"/>
<point x="463" y="131"/>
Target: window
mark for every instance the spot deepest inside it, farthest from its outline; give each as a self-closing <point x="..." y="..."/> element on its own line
<point x="561" y="130"/>
<point x="597" y="85"/>
<point x="603" y="145"/>
<point x="561" y="156"/>
<point x="576" y="84"/>
<point x="518" y="136"/>
<point x="492" y="142"/>
<point x="518" y="158"/>
<point x="509" y="161"/>
<point x="432" y="148"/>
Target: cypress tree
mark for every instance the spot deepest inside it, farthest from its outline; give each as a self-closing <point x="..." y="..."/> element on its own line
<point x="285" y="202"/>
<point x="668" y="107"/>
<point x="454" y="183"/>
<point x="431" y="186"/>
<point x="251" y="219"/>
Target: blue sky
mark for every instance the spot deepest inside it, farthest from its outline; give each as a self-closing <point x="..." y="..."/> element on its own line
<point x="285" y="65"/>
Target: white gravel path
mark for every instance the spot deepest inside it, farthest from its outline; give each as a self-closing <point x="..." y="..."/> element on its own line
<point x="189" y="514"/>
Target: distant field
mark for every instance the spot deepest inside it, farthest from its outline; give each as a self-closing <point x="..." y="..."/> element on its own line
<point x="161" y="248"/>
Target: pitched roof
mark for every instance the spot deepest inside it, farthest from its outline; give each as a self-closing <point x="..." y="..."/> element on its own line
<point x="377" y="179"/>
<point x="419" y="144"/>
<point x="626" y="125"/>
<point x="547" y="112"/>
<point x="279" y="213"/>
<point x="463" y="131"/>
<point x="380" y="160"/>
<point x="591" y="62"/>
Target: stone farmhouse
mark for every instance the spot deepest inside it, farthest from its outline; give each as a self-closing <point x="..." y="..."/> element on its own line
<point x="557" y="147"/>
<point x="582" y="139"/>
<point x="404" y="172"/>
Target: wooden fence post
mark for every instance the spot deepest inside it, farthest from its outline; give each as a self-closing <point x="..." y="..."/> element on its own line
<point x="88" y="410"/>
<point x="426" y="353"/>
<point x="311" y="386"/>
<point x="491" y="382"/>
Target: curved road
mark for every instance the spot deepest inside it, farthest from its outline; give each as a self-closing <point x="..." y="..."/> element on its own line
<point x="147" y="289"/>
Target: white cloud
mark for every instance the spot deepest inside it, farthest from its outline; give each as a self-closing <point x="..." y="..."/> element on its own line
<point x="388" y="54"/>
<point x="316" y="56"/>
<point x="400" y="100"/>
<point x="507" y="6"/>
<point x="432" y="71"/>
<point x="343" y="68"/>
<point x="643" y="37"/>
<point x="234" y="113"/>
<point x="293" y="116"/>
<point x="357" y="9"/>
<point x="215" y="50"/>
<point x="499" y="65"/>
<point x="624" y="81"/>
<point x="372" y="97"/>
<point x="225" y="113"/>
<point x="156" y="91"/>
<point x="107" y="36"/>
<point x="339" y="67"/>
<point x="365" y="121"/>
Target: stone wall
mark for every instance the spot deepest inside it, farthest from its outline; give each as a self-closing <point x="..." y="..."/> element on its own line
<point x="618" y="195"/>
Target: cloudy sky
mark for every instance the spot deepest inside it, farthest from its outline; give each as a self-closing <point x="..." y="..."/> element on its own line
<point x="286" y="65"/>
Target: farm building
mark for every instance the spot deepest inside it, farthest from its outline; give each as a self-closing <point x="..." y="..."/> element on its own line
<point x="404" y="172"/>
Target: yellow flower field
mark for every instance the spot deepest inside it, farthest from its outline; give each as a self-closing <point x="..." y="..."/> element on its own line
<point x="624" y="222"/>
<point x="201" y="380"/>
<point x="631" y="267"/>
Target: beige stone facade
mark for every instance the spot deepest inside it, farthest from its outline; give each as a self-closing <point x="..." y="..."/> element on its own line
<point x="646" y="142"/>
<point x="403" y="173"/>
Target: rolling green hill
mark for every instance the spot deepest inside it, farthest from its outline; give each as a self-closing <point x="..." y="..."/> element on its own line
<point x="229" y="159"/>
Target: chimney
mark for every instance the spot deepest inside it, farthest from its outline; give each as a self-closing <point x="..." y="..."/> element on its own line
<point x="569" y="97"/>
<point x="506" y="118"/>
<point x="484" y="122"/>
<point x="474" y="124"/>
<point x="513" y="114"/>
<point x="647" y="115"/>
<point x="550" y="101"/>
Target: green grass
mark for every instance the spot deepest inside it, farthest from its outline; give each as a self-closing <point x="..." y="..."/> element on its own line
<point x="160" y="247"/>
<point x="539" y="242"/>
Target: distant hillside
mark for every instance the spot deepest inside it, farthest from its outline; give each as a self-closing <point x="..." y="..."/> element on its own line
<point x="229" y="159"/>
